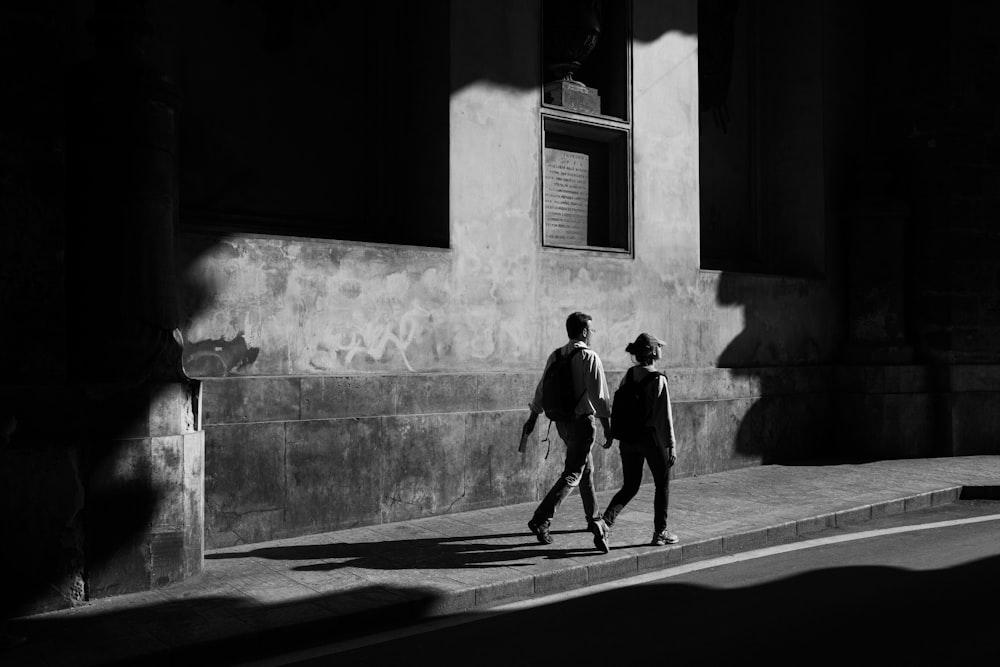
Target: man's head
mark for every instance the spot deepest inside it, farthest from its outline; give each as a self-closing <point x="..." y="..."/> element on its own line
<point x="578" y="327"/>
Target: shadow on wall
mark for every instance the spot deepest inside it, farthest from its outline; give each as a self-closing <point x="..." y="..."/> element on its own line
<point x="75" y="495"/>
<point x="785" y="387"/>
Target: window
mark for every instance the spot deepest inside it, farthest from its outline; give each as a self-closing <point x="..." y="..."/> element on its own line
<point x="586" y="160"/>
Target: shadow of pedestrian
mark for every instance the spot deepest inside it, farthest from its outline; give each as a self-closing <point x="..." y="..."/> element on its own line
<point x="478" y="551"/>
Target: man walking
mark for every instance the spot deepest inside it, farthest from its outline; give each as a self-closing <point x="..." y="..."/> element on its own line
<point x="574" y="376"/>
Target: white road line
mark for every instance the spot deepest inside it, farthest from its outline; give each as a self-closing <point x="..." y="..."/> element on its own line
<point x="637" y="580"/>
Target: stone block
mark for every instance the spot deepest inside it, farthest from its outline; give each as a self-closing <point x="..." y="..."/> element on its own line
<point x="914" y="380"/>
<point x="853" y="516"/>
<point x="254" y="399"/>
<point x="504" y="590"/>
<point x="333" y="471"/>
<point x="656" y="558"/>
<point x="714" y="436"/>
<point x="167" y="474"/>
<point x="506" y="391"/>
<point x="815" y="524"/>
<point x="745" y="541"/>
<point x="851" y="379"/>
<point x="497" y="473"/>
<point x="226" y="529"/>
<point x="782" y="533"/>
<point x="945" y="496"/>
<point x="917" y="502"/>
<point x="194" y="501"/>
<point x="426" y="394"/>
<point x="425" y="465"/>
<point x="887" y="508"/>
<point x="702" y="548"/>
<point x="975" y="420"/>
<point x="171" y="410"/>
<point x="244" y="474"/>
<point x="611" y="567"/>
<point x="348" y="396"/>
<point x="563" y="579"/>
<point x="449" y="602"/>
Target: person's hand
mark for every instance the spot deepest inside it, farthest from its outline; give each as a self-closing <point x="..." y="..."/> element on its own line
<point x="671" y="455"/>
<point x="606" y="426"/>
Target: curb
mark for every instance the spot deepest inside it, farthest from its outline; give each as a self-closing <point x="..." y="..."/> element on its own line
<point x="646" y="560"/>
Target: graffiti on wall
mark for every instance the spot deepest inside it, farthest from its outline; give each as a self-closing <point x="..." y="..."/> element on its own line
<point x="374" y="338"/>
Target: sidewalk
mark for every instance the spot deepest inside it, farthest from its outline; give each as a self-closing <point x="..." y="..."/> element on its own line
<point x="334" y="585"/>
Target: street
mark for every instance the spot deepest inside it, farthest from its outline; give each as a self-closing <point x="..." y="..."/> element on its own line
<point x="916" y="595"/>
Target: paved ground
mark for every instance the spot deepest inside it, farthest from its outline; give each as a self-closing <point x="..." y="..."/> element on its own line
<point x="332" y="585"/>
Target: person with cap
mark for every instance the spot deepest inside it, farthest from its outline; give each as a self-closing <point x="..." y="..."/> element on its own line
<point x="655" y="446"/>
<point x="591" y="404"/>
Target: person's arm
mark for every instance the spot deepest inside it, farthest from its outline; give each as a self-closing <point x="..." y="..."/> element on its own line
<point x="662" y="419"/>
<point x="596" y="385"/>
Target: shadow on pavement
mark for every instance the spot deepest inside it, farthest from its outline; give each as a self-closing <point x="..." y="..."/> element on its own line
<point x="866" y="613"/>
<point x="219" y="630"/>
<point x="477" y="551"/>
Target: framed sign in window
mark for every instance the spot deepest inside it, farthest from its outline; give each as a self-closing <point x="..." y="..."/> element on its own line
<point x="586" y="201"/>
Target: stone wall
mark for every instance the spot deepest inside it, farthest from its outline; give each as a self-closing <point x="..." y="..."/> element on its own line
<point x="296" y="455"/>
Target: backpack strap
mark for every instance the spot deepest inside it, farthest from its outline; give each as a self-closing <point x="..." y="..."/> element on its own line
<point x="650" y="377"/>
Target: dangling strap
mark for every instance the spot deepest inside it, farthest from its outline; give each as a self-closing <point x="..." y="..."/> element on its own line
<point x="548" y="447"/>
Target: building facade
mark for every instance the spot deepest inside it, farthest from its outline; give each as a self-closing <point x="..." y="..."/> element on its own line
<point x="319" y="252"/>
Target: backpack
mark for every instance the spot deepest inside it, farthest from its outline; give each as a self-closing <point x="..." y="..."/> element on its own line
<point x="558" y="399"/>
<point x="628" y="412"/>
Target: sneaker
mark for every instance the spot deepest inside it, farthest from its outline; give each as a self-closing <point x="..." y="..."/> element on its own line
<point x="662" y="538"/>
<point x="541" y="531"/>
<point x="601" y="535"/>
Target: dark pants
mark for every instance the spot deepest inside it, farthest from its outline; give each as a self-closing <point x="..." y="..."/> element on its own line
<point x="579" y="436"/>
<point x="633" y="457"/>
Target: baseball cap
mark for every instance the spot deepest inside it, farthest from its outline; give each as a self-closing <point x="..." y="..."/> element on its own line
<point x="644" y="342"/>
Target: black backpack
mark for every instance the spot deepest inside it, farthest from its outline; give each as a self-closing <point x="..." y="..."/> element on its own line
<point x="628" y="412"/>
<point x="558" y="399"/>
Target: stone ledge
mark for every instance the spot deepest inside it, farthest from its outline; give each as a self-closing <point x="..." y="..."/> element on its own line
<point x="290" y="398"/>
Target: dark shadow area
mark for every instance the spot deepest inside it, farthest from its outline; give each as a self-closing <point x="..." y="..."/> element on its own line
<point x="870" y="614"/>
<point x="763" y="223"/>
<point x="787" y="421"/>
<point x="985" y="492"/>
<point x="432" y="552"/>
<point x="887" y="241"/>
<point x="875" y="614"/>
<point x="222" y="630"/>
